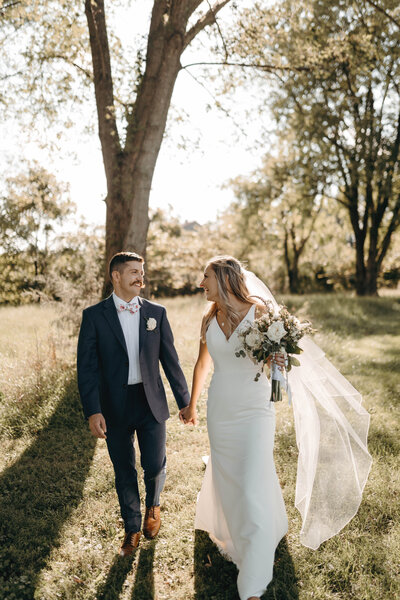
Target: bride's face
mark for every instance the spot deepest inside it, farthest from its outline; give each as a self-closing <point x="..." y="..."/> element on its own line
<point x="209" y="285"/>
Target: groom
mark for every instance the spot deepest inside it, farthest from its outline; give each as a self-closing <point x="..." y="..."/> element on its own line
<point x="121" y="341"/>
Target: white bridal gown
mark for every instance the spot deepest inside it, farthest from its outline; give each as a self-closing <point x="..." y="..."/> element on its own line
<point x="240" y="503"/>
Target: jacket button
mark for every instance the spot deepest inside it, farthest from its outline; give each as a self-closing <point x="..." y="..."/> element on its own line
<point x="127" y="363"/>
<point x="125" y="385"/>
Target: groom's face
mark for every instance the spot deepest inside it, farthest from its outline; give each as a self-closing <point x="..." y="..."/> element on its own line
<point x="128" y="281"/>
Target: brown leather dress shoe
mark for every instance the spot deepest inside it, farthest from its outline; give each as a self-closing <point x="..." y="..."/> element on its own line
<point x="130" y="543"/>
<point x="152" y="522"/>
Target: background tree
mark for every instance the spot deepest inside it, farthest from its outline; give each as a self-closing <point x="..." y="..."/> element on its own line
<point x="284" y="199"/>
<point x="343" y="106"/>
<point x="130" y="162"/>
<point x="44" y="63"/>
<point x="33" y="206"/>
<point x="75" y="274"/>
<point x="178" y="252"/>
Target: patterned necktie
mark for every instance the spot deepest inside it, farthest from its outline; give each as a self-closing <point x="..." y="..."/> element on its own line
<point x="129" y="307"/>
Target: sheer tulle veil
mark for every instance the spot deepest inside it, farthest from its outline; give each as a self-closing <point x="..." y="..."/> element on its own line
<point x="331" y="434"/>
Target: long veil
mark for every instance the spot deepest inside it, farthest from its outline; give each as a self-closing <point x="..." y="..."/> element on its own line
<point x="331" y="434"/>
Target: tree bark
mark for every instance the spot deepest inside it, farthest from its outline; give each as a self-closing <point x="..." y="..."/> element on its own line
<point x="292" y="262"/>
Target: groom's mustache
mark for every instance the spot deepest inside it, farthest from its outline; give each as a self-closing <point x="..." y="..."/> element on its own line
<point x="138" y="283"/>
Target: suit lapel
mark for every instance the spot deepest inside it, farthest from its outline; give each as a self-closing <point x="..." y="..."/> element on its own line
<point x="110" y="313"/>
<point x="143" y="323"/>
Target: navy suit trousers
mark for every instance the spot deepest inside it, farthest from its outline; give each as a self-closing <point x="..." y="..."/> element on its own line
<point x="151" y="436"/>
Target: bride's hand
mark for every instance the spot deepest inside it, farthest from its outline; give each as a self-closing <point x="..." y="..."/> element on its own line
<point x="188" y="415"/>
<point x="278" y="358"/>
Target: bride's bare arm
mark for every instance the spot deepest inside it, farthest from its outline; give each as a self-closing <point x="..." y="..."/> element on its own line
<point x="200" y="372"/>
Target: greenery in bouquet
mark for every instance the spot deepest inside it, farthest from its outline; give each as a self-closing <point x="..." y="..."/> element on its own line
<point x="275" y="331"/>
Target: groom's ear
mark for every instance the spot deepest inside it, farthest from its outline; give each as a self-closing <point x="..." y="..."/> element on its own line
<point x="115" y="276"/>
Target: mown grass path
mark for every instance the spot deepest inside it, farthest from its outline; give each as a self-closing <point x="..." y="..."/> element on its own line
<point x="59" y="520"/>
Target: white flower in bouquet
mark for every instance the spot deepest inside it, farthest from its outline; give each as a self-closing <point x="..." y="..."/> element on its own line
<point x="276" y="331"/>
<point x="254" y="338"/>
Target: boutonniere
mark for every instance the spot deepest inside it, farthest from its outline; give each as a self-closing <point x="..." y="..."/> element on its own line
<point x="151" y="324"/>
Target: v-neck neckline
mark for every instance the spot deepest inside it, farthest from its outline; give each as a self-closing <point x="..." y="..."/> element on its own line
<point x="238" y="325"/>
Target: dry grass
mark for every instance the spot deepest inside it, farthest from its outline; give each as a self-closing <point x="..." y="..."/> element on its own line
<point x="59" y="513"/>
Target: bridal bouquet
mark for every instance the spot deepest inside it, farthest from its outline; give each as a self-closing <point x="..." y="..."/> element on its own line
<point x="273" y="332"/>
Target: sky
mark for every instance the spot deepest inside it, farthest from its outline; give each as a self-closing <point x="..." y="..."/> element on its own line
<point x="192" y="180"/>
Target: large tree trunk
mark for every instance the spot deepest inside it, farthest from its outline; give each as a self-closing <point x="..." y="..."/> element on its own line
<point x="359" y="224"/>
<point x="294" y="284"/>
<point x="368" y="222"/>
<point x="361" y="289"/>
<point x="291" y="256"/>
<point x="127" y="201"/>
<point x="129" y="168"/>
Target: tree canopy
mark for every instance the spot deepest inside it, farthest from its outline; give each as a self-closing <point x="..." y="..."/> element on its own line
<point x="337" y="97"/>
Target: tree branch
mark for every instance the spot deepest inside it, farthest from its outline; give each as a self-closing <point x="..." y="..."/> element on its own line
<point x="103" y="84"/>
<point x="220" y="34"/>
<point x="11" y="75"/>
<point x="192" y="5"/>
<point x="384" y="12"/>
<point x="394" y="224"/>
<point x="307" y="235"/>
<point x="11" y="5"/>
<point x="339" y="149"/>
<point x="49" y="57"/>
<point x="218" y="104"/>
<point x="207" y="19"/>
<point x="269" y="68"/>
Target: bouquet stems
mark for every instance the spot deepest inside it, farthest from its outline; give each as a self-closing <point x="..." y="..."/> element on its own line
<point x="276" y="389"/>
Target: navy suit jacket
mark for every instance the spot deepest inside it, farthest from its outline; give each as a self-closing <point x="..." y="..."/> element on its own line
<point x="103" y="362"/>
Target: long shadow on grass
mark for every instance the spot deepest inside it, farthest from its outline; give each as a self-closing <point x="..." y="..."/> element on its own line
<point x="143" y="588"/>
<point x="114" y="583"/>
<point x="39" y="492"/>
<point x="215" y="577"/>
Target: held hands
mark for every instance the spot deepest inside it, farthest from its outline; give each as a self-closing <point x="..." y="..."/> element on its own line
<point x="97" y="425"/>
<point x="188" y="415"/>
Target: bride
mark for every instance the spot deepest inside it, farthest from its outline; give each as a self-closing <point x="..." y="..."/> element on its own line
<point x="241" y="503"/>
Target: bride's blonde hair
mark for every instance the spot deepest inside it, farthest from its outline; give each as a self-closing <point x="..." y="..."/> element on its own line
<point x="230" y="278"/>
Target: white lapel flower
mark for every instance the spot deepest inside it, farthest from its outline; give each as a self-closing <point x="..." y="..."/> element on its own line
<point x="151" y="324"/>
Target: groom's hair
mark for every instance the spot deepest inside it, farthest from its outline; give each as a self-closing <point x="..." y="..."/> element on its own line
<point x="119" y="259"/>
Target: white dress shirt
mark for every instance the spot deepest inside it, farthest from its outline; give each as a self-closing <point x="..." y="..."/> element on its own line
<point x="130" y="327"/>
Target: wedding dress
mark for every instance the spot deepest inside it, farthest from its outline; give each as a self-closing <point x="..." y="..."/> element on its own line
<point x="240" y="503"/>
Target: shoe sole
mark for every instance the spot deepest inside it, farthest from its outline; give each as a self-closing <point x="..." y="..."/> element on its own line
<point x="150" y="536"/>
<point x="123" y="553"/>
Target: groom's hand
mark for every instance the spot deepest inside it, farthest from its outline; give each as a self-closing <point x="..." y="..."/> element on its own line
<point x="188" y="416"/>
<point x="97" y="425"/>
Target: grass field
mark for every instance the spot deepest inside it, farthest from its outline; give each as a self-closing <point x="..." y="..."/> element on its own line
<point x="59" y="519"/>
